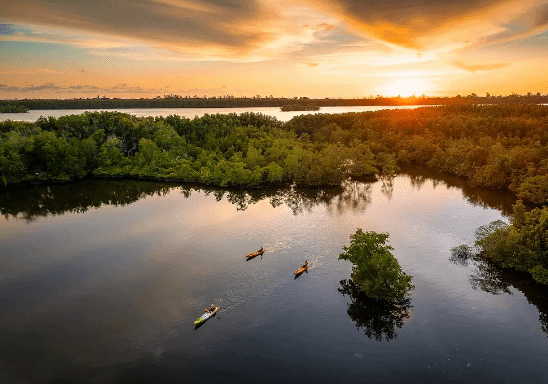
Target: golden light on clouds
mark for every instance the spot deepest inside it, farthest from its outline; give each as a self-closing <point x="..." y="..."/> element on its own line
<point x="315" y="48"/>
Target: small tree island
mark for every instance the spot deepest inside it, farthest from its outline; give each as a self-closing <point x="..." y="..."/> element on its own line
<point x="299" y="107"/>
<point x="375" y="270"/>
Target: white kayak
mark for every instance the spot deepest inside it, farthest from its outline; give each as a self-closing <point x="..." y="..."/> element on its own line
<point x="202" y="319"/>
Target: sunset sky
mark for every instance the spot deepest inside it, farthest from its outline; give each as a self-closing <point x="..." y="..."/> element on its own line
<point x="313" y="48"/>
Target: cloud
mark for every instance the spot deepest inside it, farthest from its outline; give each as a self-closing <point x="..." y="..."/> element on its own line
<point x="529" y="23"/>
<point x="260" y="30"/>
<point x="6" y="30"/>
<point x="88" y="41"/>
<point x="324" y="27"/>
<point x="479" y="67"/>
<point x="81" y="88"/>
<point x="28" y="71"/>
<point x="113" y="90"/>
<point x="436" y="23"/>
<point x="230" y="26"/>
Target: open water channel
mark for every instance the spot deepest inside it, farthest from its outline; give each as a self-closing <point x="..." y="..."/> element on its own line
<point x="191" y="113"/>
<point x="101" y="280"/>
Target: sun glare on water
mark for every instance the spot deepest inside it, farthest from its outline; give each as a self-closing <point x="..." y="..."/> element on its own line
<point x="405" y="87"/>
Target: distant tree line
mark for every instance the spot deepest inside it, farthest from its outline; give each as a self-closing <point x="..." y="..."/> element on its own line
<point x="13" y="108"/>
<point x="229" y="101"/>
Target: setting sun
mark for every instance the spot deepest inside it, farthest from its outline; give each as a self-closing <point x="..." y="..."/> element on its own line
<point x="406" y="87"/>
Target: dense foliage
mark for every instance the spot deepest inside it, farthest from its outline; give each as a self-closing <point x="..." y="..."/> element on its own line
<point x="522" y="245"/>
<point x="374" y="268"/>
<point x="224" y="150"/>
<point x="501" y="147"/>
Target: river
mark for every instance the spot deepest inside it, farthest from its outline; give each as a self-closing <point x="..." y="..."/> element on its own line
<point x="101" y="280"/>
<point x="33" y="115"/>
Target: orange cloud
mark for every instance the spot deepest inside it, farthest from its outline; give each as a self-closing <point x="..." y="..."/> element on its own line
<point x="479" y="67"/>
<point x="236" y="28"/>
<point x="434" y="23"/>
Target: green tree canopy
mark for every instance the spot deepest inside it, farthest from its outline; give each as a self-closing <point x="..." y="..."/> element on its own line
<point x="374" y="268"/>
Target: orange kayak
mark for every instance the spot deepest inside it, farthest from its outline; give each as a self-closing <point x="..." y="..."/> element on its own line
<point x="256" y="253"/>
<point x="302" y="269"/>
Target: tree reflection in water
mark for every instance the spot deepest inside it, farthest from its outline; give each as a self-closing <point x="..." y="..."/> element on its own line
<point x="486" y="275"/>
<point x="30" y="203"/>
<point x="378" y="318"/>
<point x="491" y="278"/>
<point x="419" y="175"/>
<point x="49" y="200"/>
<point x="387" y="188"/>
<point x="352" y="196"/>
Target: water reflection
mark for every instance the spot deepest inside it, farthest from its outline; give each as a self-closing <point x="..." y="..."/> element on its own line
<point x="378" y="318"/>
<point x="486" y="275"/>
<point x="501" y="201"/>
<point x="92" y="296"/>
<point x="352" y="196"/>
<point x="489" y="277"/>
<point x="31" y="203"/>
<point x="387" y="188"/>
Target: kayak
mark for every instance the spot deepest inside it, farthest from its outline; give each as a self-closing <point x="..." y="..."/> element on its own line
<point x="256" y="253"/>
<point x="302" y="269"/>
<point x="202" y="319"/>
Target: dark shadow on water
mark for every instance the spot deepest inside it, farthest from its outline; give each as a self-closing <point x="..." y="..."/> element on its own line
<point x="379" y="319"/>
<point x="199" y="325"/>
<point x="490" y="277"/>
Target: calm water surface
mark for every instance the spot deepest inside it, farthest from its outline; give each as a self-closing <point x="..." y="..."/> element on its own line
<point x="33" y="115"/>
<point x="100" y="282"/>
